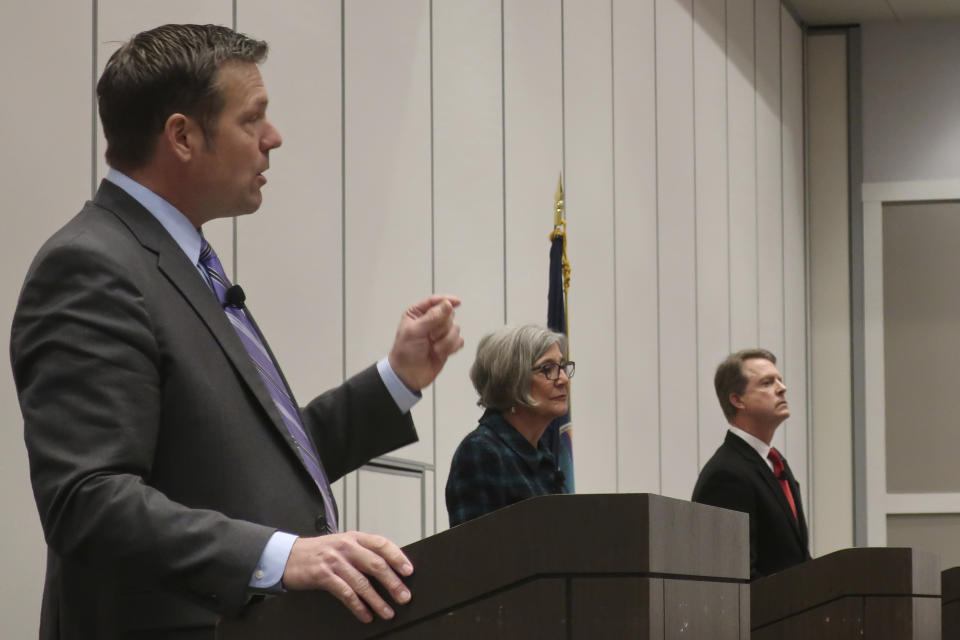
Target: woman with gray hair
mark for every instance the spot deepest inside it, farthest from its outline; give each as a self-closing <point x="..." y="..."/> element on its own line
<point x="523" y="378"/>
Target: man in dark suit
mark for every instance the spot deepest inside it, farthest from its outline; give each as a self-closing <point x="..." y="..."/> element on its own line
<point x="746" y="473"/>
<point x="174" y="474"/>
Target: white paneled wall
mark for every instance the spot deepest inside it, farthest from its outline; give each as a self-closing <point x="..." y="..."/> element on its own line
<point x="46" y="166"/>
<point x="422" y="146"/>
<point x="588" y="162"/>
<point x="388" y="217"/>
<point x="637" y="329"/>
<point x="712" y="220"/>
<point x="769" y="180"/>
<point x="793" y="362"/>
<point x="742" y="173"/>
<point x="468" y="201"/>
<point x="676" y="250"/>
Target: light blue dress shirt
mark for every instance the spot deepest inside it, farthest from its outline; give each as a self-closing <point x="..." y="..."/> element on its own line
<point x="269" y="571"/>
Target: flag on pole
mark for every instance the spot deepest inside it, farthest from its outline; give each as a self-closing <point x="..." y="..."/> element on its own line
<point x="559" y="435"/>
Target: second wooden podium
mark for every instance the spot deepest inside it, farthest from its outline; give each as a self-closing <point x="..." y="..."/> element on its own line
<point x="855" y="594"/>
<point x="574" y="567"/>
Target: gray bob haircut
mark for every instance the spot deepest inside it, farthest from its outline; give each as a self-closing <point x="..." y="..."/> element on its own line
<point x="502" y="369"/>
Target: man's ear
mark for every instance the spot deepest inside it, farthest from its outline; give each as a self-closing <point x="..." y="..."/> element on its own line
<point x="737" y="400"/>
<point x="182" y="135"/>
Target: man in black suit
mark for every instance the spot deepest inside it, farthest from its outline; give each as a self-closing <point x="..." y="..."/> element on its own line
<point x="174" y="474"/>
<point x="746" y="473"/>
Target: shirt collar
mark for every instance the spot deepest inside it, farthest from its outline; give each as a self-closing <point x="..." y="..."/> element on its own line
<point x="759" y="445"/>
<point x="176" y="224"/>
<point x="495" y="421"/>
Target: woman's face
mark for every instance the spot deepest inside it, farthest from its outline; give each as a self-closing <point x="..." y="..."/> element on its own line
<point x="550" y="395"/>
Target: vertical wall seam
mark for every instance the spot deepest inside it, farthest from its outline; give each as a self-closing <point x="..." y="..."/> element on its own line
<point x="503" y="151"/>
<point x="616" y="315"/>
<point x="234" y="222"/>
<point x="756" y="173"/>
<point x="857" y="294"/>
<point x="93" y="98"/>
<point x="726" y="133"/>
<point x="783" y="243"/>
<point x="343" y="232"/>
<point x="808" y="346"/>
<point x="433" y="263"/>
<point x="343" y="191"/>
<point x="696" y="212"/>
<point x="563" y="102"/>
<point x="656" y="164"/>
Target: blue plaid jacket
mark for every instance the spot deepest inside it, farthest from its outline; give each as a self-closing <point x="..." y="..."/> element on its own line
<point x="494" y="467"/>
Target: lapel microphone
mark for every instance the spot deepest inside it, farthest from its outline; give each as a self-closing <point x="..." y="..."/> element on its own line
<point x="235" y="297"/>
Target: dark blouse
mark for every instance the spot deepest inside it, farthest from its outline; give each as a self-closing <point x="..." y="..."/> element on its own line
<point x="496" y="466"/>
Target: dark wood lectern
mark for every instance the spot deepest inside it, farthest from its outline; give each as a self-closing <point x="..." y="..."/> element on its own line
<point x="571" y="567"/>
<point x="950" y="620"/>
<point x="866" y="593"/>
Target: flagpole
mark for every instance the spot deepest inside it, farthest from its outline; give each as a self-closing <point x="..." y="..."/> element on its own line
<point x="559" y="434"/>
<point x="560" y="230"/>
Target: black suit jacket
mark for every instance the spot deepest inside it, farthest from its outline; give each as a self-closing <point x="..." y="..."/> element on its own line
<point x="737" y="478"/>
<point x="159" y="463"/>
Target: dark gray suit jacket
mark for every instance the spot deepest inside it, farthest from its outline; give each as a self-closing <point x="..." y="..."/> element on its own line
<point x="159" y="462"/>
<point x="737" y="478"/>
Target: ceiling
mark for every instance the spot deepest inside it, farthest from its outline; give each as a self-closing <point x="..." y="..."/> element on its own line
<point x="835" y="12"/>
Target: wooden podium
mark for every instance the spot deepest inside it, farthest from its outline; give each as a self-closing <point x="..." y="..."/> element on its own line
<point x="571" y="567"/>
<point x="950" y="620"/>
<point x="866" y="593"/>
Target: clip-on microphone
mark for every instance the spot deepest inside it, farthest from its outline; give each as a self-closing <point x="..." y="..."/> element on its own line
<point x="235" y="297"/>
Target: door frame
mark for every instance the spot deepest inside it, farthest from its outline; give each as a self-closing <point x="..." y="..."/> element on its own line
<point x="879" y="502"/>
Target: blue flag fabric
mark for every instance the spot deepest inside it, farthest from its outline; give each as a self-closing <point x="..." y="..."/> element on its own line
<point x="558" y="436"/>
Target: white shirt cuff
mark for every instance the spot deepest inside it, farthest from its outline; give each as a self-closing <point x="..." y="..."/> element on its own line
<point x="404" y="398"/>
<point x="269" y="572"/>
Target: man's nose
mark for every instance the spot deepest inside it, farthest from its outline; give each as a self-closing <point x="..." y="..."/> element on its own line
<point x="272" y="139"/>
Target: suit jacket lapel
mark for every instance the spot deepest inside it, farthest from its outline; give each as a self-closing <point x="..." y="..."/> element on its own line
<point x="174" y="265"/>
<point x="770" y="480"/>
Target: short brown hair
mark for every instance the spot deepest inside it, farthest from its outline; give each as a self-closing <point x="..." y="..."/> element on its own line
<point x="166" y="70"/>
<point x="730" y="379"/>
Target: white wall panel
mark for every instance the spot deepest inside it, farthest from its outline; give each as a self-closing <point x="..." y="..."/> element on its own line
<point x="713" y="258"/>
<point x="289" y="257"/>
<point x="742" y="176"/>
<point x="794" y="356"/>
<point x="769" y="199"/>
<point x="533" y="152"/>
<point x="468" y="203"/>
<point x="118" y="21"/>
<point x="382" y="492"/>
<point x="46" y="60"/>
<point x="829" y="281"/>
<point x="676" y="247"/>
<point x="388" y="231"/>
<point x="635" y="207"/>
<point x="589" y="184"/>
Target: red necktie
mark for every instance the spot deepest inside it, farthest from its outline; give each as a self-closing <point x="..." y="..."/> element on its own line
<point x="778" y="471"/>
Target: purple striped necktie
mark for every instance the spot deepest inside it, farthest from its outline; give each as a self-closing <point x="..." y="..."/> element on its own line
<point x="271" y="377"/>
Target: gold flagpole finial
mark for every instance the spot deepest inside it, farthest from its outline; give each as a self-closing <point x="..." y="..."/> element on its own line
<point x="558" y="217"/>
<point x="560" y="231"/>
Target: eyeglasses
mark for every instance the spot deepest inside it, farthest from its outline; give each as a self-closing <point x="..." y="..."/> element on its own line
<point x="551" y="370"/>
